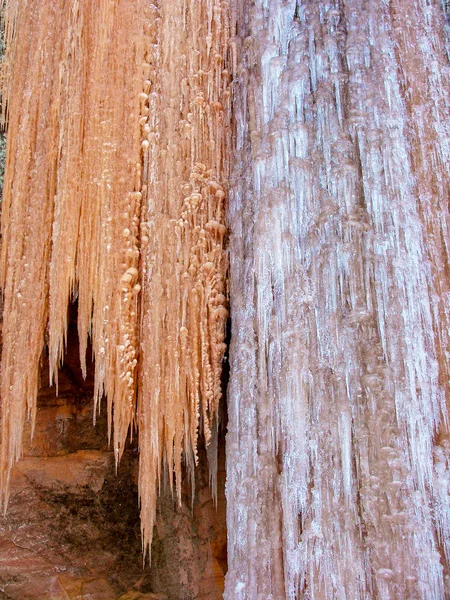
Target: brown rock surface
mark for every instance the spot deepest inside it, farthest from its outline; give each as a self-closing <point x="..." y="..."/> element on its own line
<point x="72" y="529"/>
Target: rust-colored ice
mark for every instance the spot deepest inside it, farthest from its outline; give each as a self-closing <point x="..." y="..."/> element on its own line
<point x="114" y="195"/>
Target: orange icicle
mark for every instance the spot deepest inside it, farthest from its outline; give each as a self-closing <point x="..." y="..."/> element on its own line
<point x="114" y="196"/>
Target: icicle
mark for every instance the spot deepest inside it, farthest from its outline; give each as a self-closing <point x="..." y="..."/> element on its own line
<point x="115" y="195"/>
<point x="184" y="312"/>
<point x="28" y="205"/>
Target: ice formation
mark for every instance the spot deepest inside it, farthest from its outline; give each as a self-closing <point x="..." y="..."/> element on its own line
<point x="119" y="151"/>
<point x="337" y="444"/>
<point x="114" y="194"/>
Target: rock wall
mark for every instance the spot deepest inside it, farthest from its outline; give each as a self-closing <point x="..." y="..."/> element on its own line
<point x="72" y="529"/>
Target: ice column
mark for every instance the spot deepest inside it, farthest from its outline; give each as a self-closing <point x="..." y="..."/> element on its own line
<point x="337" y="450"/>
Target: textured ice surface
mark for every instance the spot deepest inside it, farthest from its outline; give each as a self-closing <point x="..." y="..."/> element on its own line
<point x="337" y="451"/>
<point x="338" y="446"/>
<point x="115" y="195"/>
